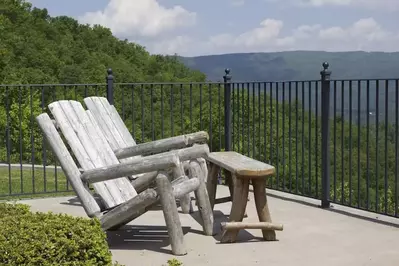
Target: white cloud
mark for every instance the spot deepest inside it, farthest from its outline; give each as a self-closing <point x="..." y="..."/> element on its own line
<point x="178" y="44"/>
<point x="365" y="34"/>
<point x="145" y="18"/>
<point x="380" y="4"/>
<point x="269" y="30"/>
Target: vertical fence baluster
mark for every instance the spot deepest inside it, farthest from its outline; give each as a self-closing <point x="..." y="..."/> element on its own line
<point x="350" y="142"/>
<point x="386" y="148"/>
<point x="325" y="157"/>
<point x="283" y="133"/>
<point x="133" y="114"/>
<point x="210" y="116"/>
<point x="162" y="113"/>
<point x="20" y="139"/>
<point x="396" y="147"/>
<point x="296" y="136"/>
<point x="289" y="135"/>
<point x="342" y="141"/>
<point x="227" y="109"/>
<point x="368" y="143"/>
<point x="377" y="122"/>
<point x="358" y="141"/>
<point x="335" y="141"/>
<point x="181" y="111"/>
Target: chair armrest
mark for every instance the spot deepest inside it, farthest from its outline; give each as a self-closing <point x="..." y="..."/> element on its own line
<point x="137" y="166"/>
<point x="163" y="145"/>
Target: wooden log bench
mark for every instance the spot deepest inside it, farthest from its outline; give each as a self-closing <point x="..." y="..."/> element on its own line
<point x="240" y="171"/>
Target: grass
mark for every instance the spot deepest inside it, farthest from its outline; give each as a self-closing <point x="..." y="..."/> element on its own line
<point x="32" y="183"/>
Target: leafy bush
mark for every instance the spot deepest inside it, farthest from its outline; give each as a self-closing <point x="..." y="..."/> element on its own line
<point x="28" y="238"/>
<point x="174" y="262"/>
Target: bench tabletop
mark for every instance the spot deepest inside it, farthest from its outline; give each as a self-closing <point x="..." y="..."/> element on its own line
<point x="240" y="165"/>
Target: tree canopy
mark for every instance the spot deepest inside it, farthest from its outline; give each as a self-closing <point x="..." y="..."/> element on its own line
<point x="36" y="48"/>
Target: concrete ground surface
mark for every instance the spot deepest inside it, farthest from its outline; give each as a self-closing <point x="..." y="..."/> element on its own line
<point x="311" y="236"/>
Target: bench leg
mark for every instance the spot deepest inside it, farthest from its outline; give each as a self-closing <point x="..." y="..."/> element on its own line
<point x="262" y="207"/>
<point x="238" y="206"/>
<point x="231" y="180"/>
<point x="212" y="183"/>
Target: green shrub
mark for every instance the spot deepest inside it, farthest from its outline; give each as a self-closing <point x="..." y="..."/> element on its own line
<point x="174" y="262"/>
<point x="28" y="238"/>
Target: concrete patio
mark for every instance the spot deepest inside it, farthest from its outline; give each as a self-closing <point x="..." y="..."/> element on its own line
<point x="311" y="236"/>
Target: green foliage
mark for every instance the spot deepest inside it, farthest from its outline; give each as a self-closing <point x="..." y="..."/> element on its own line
<point x="174" y="262"/>
<point x="28" y="238"/>
<point x="36" y="48"/>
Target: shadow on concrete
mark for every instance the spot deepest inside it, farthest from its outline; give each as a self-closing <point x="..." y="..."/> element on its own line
<point x="219" y="217"/>
<point x="73" y="202"/>
<point x="142" y="237"/>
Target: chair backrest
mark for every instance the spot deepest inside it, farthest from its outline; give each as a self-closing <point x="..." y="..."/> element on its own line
<point x="111" y="124"/>
<point x="91" y="149"/>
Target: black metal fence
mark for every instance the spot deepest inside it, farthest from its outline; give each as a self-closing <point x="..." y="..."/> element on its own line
<point x="333" y="140"/>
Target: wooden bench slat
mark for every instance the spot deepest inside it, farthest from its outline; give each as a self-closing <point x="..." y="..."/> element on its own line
<point x="240" y="165"/>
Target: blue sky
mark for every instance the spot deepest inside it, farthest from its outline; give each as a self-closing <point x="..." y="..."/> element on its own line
<point x="224" y="26"/>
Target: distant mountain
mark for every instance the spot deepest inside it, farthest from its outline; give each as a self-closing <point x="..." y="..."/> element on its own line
<point x="297" y="65"/>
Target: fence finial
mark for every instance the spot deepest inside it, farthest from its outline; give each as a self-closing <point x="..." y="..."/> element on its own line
<point x="227" y="77"/>
<point x="326" y="65"/>
<point x="109" y="72"/>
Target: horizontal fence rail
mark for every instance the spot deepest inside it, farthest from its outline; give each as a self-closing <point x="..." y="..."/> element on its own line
<point x="333" y="140"/>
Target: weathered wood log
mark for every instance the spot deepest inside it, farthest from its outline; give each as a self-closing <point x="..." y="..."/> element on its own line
<point x="104" y="140"/>
<point x="171" y="215"/>
<point x="189" y="153"/>
<point x="197" y="137"/>
<point x="241" y="165"/>
<point x="162" y="145"/>
<point x="146" y="164"/>
<point x="129" y="210"/>
<point x="201" y="195"/>
<point x="249" y="225"/>
<point x="142" y="183"/>
<point x="80" y="152"/>
<point x="211" y="183"/>
<point x="185" y="187"/>
<point x="238" y="206"/>
<point x="68" y="165"/>
<point x="262" y="207"/>
<point x="204" y="168"/>
<point x="100" y="153"/>
<point x="185" y="199"/>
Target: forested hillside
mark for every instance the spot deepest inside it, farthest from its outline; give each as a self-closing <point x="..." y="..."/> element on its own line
<point x="297" y="65"/>
<point x="37" y="48"/>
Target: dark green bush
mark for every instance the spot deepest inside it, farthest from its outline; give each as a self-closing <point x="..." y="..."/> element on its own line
<point x="28" y="238"/>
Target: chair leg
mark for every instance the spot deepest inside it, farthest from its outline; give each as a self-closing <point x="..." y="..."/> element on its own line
<point x="171" y="215"/>
<point x="201" y="195"/>
<point x="185" y="201"/>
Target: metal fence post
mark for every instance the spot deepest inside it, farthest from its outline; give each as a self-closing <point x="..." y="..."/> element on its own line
<point x="110" y="86"/>
<point x="227" y="110"/>
<point x="325" y="136"/>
